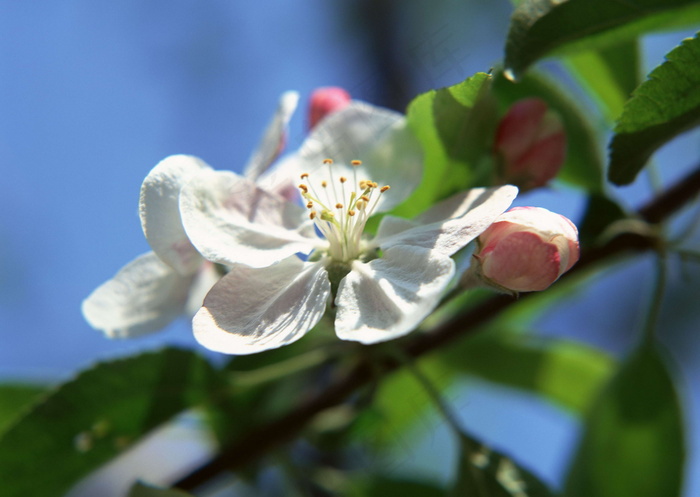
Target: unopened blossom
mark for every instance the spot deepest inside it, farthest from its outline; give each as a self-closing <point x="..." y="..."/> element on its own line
<point x="325" y="101"/>
<point x="171" y="280"/>
<point x="530" y="144"/>
<point x="357" y="162"/>
<point x="526" y="249"/>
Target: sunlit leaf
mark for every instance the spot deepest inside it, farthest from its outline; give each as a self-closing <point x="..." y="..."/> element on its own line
<point x="454" y="126"/>
<point x="664" y="106"/>
<point x="482" y="472"/>
<point x="543" y="27"/>
<point x="15" y="398"/>
<point x="546" y="367"/>
<point x="610" y="74"/>
<point x="583" y="166"/>
<point x="632" y="444"/>
<point x="92" y="418"/>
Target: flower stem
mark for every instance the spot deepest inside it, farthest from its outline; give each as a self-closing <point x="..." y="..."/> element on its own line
<point x="656" y="298"/>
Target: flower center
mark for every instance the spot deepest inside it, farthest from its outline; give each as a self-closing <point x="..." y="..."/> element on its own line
<point x="340" y="208"/>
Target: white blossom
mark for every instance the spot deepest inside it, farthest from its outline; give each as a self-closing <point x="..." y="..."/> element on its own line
<point x="380" y="288"/>
<point x="157" y="287"/>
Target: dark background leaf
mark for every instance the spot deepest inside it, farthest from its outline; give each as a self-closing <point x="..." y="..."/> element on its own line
<point x="91" y="419"/>
<point x="482" y="472"/>
<point x="540" y="27"/>
<point x="664" y="106"/>
<point x="633" y="443"/>
<point x="14" y="399"/>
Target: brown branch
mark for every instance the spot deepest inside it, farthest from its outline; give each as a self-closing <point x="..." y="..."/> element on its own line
<point x="259" y="441"/>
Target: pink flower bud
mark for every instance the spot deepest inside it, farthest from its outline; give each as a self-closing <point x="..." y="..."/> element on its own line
<point x="526" y="249"/>
<point x="325" y="101"/>
<point x="530" y="144"/>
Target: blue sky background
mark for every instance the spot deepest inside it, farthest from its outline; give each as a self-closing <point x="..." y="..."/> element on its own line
<point x="93" y="94"/>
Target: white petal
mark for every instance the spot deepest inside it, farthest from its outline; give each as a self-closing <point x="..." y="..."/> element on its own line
<point x="274" y="137"/>
<point x="160" y="212"/>
<point x="251" y="310"/>
<point x="391" y="225"/>
<point x="204" y="280"/>
<point x="389" y="297"/>
<point x="380" y="138"/>
<point x="454" y="222"/>
<point x="231" y="220"/>
<point x="144" y="296"/>
<point x="282" y="178"/>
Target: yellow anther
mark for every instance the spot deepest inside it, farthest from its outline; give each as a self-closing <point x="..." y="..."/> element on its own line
<point x="304" y="188"/>
<point x="384" y="188"/>
<point x="312" y="214"/>
<point x="351" y="212"/>
<point x="373" y="184"/>
<point x="343" y="179"/>
<point x="365" y="198"/>
<point x="338" y="206"/>
<point x="356" y="162"/>
<point x="304" y="175"/>
<point x="324" y="184"/>
<point x="360" y="204"/>
<point x="309" y="205"/>
<point x="363" y="184"/>
<point x="328" y="161"/>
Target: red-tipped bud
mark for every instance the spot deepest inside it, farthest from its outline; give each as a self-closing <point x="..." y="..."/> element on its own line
<point x="526" y="250"/>
<point x="530" y="144"/>
<point x="325" y="101"/>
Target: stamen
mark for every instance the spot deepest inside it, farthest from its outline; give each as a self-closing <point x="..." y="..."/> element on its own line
<point x="343" y="179"/>
<point x="356" y="162"/>
<point x="384" y="188"/>
<point x="312" y="214"/>
<point x="309" y="205"/>
<point x="338" y="205"/>
<point x="351" y="212"/>
<point x="304" y="175"/>
<point x="324" y="183"/>
<point x="304" y="188"/>
<point x="328" y="161"/>
<point x="365" y="198"/>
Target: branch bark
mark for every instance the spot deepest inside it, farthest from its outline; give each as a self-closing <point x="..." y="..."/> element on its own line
<point x="259" y="441"/>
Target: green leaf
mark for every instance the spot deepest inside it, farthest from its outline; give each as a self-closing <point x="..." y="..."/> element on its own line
<point x="14" y="400"/>
<point x="610" y="74"/>
<point x="91" y="419"/>
<point x="633" y="442"/>
<point x="664" y="106"/>
<point x="544" y="27"/>
<point x="547" y="367"/>
<point x="600" y="213"/>
<point x="400" y="401"/>
<point x="454" y="126"/>
<point x="389" y="486"/>
<point x="583" y="166"/>
<point x="482" y="472"/>
<point x="142" y="490"/>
